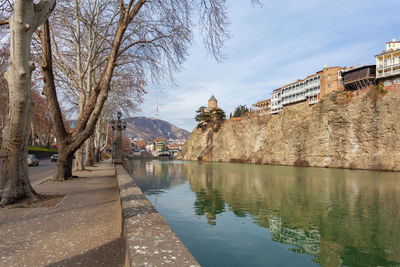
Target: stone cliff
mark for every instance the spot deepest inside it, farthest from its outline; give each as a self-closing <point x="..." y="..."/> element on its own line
<point x="359" y="129"/>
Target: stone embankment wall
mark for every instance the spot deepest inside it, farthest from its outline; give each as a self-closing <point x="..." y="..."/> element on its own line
<point x="359" y="129"/>
<point x="147" y="239"/>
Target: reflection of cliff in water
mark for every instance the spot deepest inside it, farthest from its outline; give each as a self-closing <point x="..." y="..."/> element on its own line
<point x="339" y="216"/>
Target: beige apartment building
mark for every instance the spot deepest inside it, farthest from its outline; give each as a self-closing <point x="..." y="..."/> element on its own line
<point x="312" y="88"/>
<point x="263" y="106"/>
<point x="388" y="64"/>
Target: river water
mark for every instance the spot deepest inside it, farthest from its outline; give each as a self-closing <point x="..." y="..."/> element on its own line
<point x="257" y="215"/>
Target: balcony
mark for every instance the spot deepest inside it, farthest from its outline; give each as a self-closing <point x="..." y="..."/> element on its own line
<point x="312" y="93"/>
<point x="388" y="65"/>
<point x="387" y="73"/>
<point x="275" y="111"/>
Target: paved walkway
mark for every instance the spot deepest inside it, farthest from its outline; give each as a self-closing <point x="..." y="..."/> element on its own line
<point x="82" y="230"/>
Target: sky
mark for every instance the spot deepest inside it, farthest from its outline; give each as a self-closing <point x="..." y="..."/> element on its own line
<point x="271" y="46"/>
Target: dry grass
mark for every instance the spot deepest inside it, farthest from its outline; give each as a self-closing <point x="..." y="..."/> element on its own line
<point x="376" y="93"/>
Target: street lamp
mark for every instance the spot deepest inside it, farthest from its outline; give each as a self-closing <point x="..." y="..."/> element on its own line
<point x="119" y="125"/>
<point x="112" y="140"/>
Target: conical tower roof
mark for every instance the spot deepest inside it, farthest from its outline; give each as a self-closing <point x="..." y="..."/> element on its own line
<point x="212" y="98"/>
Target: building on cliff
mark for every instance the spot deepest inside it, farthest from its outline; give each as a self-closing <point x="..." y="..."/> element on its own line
<point x="314" y="87"/>
<point x="212" y="102"/>
<point x="355" y="78"/>
<point x="311" y="89"/>
<point x="388" y="64"/>
<point x="276" y="101"/>
<point x="262" y="107"/>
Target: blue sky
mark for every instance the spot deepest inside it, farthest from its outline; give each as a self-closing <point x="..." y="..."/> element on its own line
<point x="283" y="41"/>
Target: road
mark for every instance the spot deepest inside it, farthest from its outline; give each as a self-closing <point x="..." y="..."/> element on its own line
<point x="44" y="171"/>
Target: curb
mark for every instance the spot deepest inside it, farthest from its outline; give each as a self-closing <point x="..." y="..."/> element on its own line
<point x="41" y="181"/>
<point x="147" y="239"/>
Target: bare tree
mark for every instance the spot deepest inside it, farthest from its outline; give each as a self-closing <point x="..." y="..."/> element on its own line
<point x="150" y="36"/>
<point x="26" y="17"/>
<point x="125" y="97"/>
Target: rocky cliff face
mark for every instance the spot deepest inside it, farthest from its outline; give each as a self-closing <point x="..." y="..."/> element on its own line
<point x="344" y="130"/>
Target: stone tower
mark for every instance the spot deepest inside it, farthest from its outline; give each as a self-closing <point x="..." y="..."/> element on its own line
<point x="212" y="102"/>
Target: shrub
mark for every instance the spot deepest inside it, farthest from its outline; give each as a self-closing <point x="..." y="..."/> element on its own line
<point x="377" y="92"/>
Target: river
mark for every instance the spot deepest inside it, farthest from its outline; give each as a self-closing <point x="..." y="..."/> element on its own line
<point x="256" y="215"/>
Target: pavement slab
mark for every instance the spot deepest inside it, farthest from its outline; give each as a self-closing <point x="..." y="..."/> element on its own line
<point x="81" y="230"/>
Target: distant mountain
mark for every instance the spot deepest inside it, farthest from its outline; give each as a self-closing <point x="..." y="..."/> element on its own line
<point x="150" y="129"/>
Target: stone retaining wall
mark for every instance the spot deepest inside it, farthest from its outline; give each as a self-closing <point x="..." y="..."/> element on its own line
<point x="147" y="239"/>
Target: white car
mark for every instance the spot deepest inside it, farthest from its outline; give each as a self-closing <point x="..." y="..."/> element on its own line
<point x="54" y="158"/>
<point x="33" y="160"/>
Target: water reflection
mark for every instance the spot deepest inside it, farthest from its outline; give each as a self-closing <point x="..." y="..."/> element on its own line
<point x="340" y="217"/>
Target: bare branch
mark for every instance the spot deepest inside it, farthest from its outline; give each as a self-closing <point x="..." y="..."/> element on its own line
<point x="4" y="22"/>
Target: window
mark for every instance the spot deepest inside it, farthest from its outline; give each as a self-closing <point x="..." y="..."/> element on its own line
<point x="397" y="81"/>
<point x="329" y="77"/>
<point x="329" y="85"/>
<point x="385" y="62"/>
<point x="388" y="82"/>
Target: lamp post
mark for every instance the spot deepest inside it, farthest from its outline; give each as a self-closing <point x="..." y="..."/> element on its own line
<point x="112" y="140"/>
<point x="119" y="125"/>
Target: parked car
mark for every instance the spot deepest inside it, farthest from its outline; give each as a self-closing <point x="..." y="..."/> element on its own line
<point x="54" y="158"/>
<point x="33" y="160"/>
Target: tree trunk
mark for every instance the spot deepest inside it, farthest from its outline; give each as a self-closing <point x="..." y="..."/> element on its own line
<point x="14" y="176"/>
<point x="64" y="166"/>
<point x="33" y="139"/>
<point x="90" y="153"/>
<point x="79" y="160"/>
<point x="87" y="120"/>
<point x="98" y="155"/>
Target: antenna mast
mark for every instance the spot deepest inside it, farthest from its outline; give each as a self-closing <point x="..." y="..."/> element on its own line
<point x="157" y="114"/>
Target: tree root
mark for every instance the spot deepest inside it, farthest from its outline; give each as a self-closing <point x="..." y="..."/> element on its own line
<point x="6" y="201"/>
<point x="32" y="197"/>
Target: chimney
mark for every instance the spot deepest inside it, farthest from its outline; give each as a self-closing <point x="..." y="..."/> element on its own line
<point x="393" y="40"/>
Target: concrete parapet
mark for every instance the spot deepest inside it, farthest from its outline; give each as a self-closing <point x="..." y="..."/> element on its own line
<point x="147" y="239"/>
